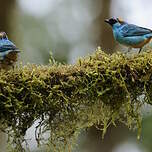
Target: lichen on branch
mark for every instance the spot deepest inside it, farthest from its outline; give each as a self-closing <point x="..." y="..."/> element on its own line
<point x="98" y="90"/>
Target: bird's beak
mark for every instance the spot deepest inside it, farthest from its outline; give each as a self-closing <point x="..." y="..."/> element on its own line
<point x="107" y="21"/>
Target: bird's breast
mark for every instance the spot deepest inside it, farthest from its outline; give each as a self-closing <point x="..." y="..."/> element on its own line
<point x="118" y="36"/>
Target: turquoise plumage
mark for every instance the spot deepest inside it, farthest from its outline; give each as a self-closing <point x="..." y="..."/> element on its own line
<point x="130" y="35"/>
<point x="8" y="52"/>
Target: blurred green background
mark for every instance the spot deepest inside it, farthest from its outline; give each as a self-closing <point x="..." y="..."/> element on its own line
<point x="72" y="29"/>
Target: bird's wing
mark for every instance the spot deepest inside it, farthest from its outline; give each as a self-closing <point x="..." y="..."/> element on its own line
<point x="7" y="47"/>
<point x="129" y="30"/>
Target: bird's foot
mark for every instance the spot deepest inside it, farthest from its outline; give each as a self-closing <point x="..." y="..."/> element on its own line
<point x="140" y="50"/>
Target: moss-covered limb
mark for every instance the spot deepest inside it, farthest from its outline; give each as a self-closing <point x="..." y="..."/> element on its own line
<point x="99" y="90"/>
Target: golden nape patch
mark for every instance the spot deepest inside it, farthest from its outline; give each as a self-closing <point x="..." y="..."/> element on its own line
<point x="120" y="21"/>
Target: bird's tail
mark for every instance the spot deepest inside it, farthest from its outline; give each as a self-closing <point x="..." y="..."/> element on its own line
<point x="17" y="50"/>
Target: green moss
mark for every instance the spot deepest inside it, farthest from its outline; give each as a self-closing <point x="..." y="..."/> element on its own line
<point x="99" y="90"/>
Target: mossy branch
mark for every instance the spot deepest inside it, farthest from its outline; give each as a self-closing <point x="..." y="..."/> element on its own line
<point x="99" y="90"/>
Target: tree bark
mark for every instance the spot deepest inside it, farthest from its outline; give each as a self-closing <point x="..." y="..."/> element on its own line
<point x="7" y="7"/>
<point x="6" y="10"/>
<point x="105" y="36"/>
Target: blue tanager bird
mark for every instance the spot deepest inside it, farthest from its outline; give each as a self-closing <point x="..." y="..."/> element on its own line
<point x="8" y="52"/>
<point x="129" y="35"/>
